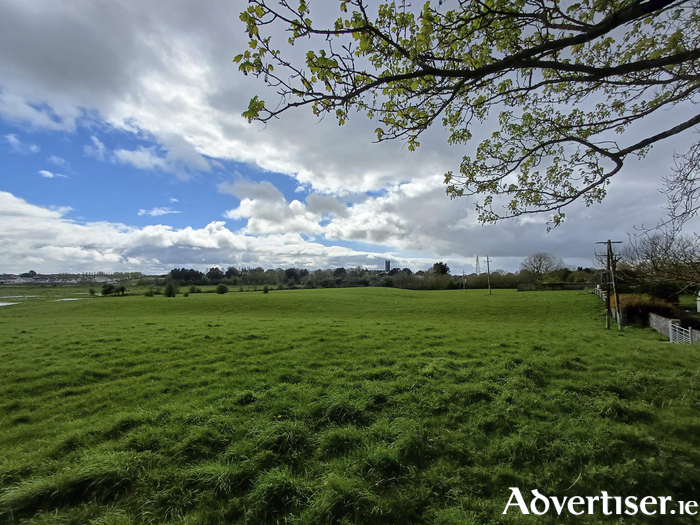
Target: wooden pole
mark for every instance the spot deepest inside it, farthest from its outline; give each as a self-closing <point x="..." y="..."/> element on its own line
<point x="609" y="281"/>
<point x="488" y="273"/>
<point x="617" y="295"/>
<point x="607" y="289"/>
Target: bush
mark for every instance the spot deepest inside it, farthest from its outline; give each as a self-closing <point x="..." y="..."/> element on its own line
<point x="638" y="307"/>
<point x="668" y="291"/>
<point x="108" y="289"/>
<point x="170" y="289"/>
<point x="265" y="290"/>
<point x="222" y="288"/>
<point x="92" y="292"/>
<point x="186" y="294"/>
<point x="149" y="292"/>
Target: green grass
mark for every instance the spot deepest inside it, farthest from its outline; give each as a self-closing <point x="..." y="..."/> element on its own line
<point x="688" y="301"/>
<point x="368" y="406"/>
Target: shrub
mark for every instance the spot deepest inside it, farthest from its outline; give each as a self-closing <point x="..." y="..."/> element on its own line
<point x="92" y="292"/>
<point x="186" y="294"/>
<point x="668" y="291"/>
<point x="638" y="307"/>
<point x="108" y="289"/>
<point x="222" y="288"/>
<point x="170" y="289"/>
<point x="149" y="292"/>
<point x="265" y="290"/>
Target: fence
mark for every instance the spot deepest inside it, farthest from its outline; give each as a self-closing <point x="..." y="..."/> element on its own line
<point x="600" y="292"/>
<point x="672" y="329"/>
<point x="678" y="334"/>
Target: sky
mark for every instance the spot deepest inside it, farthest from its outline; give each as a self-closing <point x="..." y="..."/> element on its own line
<point x="123" y="148"/>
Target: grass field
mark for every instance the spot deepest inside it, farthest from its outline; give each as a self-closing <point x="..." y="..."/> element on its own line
<point x="367" y="406"/>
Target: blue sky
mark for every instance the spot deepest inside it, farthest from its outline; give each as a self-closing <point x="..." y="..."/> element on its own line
<point x="99" y="188"/>
<point x="122" y="147"/>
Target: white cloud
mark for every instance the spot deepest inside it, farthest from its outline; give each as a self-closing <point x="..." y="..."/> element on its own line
<point x="245" y="189"/>
<point x="173" y="199"/>
<point x="14" y="107"/>
<point x="34" y="236"/>
<point x="141" y="158"/>
<point x="326" y="205"/>
<point x="97" y="149"/>
<point x="180" y="159"/>
<point x="20" y="147"/>
<point x="156" y="212"/>
<point x="414" y="218"/>
<point x="49" y="175"/>
<point x="57" y="160"/>
<point x="268" y="211"/>
<point x="164" y="71"/>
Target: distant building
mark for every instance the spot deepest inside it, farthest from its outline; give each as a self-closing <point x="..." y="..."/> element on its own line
<point x="387" y="266"/>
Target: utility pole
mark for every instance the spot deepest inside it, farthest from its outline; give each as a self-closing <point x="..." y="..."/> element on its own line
<point x="477" y="269"/>
<point x="464" y="281"/>
<point x="610" y="280"/>
<point x="488" y="273"/>
<point x="613" y="264"/>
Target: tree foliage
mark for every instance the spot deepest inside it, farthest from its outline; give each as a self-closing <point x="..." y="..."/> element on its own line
<point x="574" y="84"/>
<point x="183" y="275"/>
<point x="440" y="268"/>
<point x="682" y="188"/>
<point x="232" y="271"/>
<point x="540" y="264"/>
<point x="215" y="274"/>
<point x="663" y="258"/>
<point x="171" y="289"/>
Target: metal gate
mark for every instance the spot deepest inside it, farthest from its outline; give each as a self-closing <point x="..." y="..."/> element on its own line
<point x="678" y="334"/>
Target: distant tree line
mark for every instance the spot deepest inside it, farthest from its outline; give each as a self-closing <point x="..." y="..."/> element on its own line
<point x="438" y="277"/>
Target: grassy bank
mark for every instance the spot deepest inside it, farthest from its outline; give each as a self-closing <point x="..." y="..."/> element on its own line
<point x="334" y="406"/>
